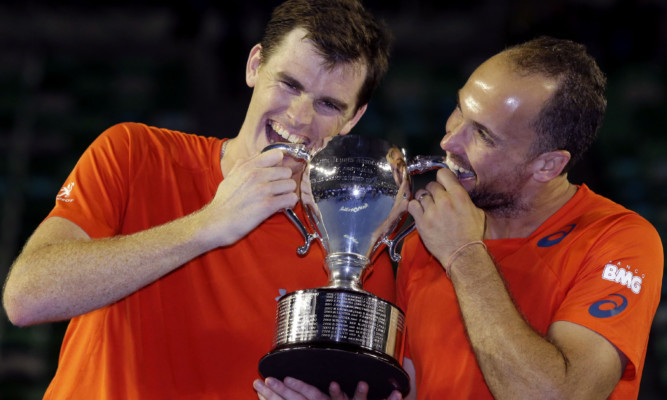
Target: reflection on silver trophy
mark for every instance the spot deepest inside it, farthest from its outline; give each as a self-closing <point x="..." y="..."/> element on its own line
<point x="355" y="193"/>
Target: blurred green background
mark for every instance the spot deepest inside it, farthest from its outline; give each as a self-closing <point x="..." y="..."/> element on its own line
<point x="70" y="70"/>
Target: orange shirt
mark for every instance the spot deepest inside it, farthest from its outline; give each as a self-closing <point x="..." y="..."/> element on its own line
<point x="593" y="263"/>
<point x="198" y="332"/>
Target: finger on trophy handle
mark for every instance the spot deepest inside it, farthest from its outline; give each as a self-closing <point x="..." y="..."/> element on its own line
<point x="299" y="152"/>
<point x="418" y="165"/>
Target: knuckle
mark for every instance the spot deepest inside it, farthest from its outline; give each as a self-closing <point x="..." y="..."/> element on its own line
<point x="254" y="174"/>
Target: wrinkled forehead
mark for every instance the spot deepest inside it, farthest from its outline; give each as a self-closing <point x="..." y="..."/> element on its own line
<point x="346" y="70"/>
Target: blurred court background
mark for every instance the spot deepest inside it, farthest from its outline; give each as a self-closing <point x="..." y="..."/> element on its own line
<point x="70" y="69"/>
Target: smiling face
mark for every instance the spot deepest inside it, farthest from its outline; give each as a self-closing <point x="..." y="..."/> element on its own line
<point x="489" y="137"/>
<point x="296" y="99"/>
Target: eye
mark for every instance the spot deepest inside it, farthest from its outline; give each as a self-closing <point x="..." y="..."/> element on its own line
<point x="330" y="105"/>
<point x="289" y="85"/>
<point x="482" y="134"/>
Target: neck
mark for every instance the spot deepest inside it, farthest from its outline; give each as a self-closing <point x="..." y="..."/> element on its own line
<point x="545" y="200"/>
<point x="226" y="158"/>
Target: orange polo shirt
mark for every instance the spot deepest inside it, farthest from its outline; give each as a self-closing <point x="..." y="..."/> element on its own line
<point x="198" y="332"/>
<point x="593" y="263"/>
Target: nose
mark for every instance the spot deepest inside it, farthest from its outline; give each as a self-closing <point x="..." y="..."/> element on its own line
<point x="300" y="110"/>
<point x="453" y="133"/>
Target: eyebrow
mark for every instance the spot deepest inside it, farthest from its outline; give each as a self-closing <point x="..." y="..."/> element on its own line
<point x="284" y="77"/>
<point x="339" y="104"/>
<point x="342" y="106"/>
<point x="476" y="124"/>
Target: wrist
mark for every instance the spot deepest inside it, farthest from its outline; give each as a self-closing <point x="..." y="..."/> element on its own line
<point x="447" y="265"/>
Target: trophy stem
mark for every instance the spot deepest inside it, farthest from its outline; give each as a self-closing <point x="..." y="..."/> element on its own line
<point x="346" y="270"/>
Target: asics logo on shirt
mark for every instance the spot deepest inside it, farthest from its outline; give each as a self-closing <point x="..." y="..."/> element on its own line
<point x="65" y="193"/>
<point x="281" y="292"/>
<point x="555" y="238"/>
<point x="602" y="309"/>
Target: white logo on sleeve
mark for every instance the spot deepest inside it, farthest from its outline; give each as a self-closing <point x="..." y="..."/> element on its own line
<point x="624" y="276"/>
<point x="65" y="193"/>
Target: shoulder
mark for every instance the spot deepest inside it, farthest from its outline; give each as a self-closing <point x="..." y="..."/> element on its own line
<point x="622" y="219"/>
<point x="125" y="131"/>
<point x="595" y="213"/>
<point x="591" y="231"/>
<point x="595" y="205"/>
<point x="135" y="131"/>
<point x="140" y="138"/>
<point x="605" y="233"/>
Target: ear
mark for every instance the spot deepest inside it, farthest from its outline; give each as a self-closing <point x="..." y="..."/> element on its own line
<point x="352" y="122"/>
<point x="549" y="165"/>
<point x="252" y="66"/>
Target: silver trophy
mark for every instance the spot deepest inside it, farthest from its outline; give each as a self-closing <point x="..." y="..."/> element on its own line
<point x="355" y="194"/>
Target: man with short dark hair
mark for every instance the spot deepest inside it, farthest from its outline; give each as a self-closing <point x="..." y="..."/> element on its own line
<point x="168" y="251"/>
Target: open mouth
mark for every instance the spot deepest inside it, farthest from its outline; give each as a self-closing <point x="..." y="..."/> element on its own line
<point x="276" y="133"/>
<point x="461" y="173"/>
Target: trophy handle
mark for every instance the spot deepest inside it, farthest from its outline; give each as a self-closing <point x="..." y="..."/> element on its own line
<point x="419" y="165"/>
<point x="299" y="152"/>
<point x="392" y="244"/>
<point x="307" y="237"/>
<point x="295" y="150"/>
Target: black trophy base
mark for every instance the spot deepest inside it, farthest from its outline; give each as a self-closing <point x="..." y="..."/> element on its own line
<point x="319" y="366"/>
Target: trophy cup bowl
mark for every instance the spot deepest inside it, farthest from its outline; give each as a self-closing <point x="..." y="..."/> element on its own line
<point x="355" y="193"/>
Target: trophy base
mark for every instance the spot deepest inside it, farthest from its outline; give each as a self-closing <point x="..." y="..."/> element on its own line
<point x="321" y="365"/>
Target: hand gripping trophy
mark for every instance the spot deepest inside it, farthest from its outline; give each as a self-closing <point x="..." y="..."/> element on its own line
<point x="355" y="192"/>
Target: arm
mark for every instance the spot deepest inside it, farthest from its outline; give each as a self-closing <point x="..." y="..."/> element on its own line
<point x="569" y="362"/>
<point x="62" y="272"/>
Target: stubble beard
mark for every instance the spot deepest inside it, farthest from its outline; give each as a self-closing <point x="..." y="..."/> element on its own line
<point x="505" y="203"/>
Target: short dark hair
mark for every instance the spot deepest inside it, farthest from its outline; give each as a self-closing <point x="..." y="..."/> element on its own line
<point x="571" y="117"/>
<point x="343" y="31"/>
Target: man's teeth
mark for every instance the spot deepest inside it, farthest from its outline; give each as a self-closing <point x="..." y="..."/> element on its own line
<point x="285" y="134"/>
<point x="459" y="171"/>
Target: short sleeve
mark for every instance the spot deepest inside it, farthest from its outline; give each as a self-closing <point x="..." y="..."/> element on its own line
<point x="617" y="292"/>
<point x="94" y="194"/>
